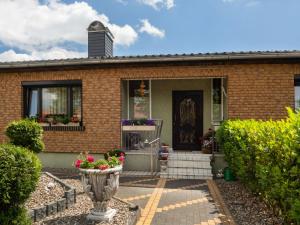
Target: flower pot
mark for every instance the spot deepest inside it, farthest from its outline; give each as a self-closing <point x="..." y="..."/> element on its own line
<point x="101" y="186"/>
<point x="228" y="174"/>
<point x="163" y="166"/>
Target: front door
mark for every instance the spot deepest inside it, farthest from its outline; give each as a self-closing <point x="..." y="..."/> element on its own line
<point x="187" y="119"/>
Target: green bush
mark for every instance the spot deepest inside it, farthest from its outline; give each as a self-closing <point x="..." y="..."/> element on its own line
<point x="14" y="216"/>
<point x="26" y="133"/>
<point x="19" y="174"/>
<point x="265" y="155"/>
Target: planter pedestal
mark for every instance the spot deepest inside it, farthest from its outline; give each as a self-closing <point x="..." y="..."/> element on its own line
<point x="102" y="216"/>
<point x="101" y="186"/>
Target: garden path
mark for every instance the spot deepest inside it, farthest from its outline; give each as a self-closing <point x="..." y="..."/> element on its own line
<point x="175" y="201"/>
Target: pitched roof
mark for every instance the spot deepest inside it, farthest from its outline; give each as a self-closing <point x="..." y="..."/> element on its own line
<point x="203" y="57"/>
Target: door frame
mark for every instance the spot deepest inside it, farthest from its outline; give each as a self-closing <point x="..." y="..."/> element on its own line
<point x="174" y="92"/>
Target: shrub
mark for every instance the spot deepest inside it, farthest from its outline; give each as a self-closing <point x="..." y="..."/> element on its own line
<point x="14" y="216"/>
<point x="26" y="133"/>
<point x="19" y="174"/>
<point x="265" y="155"/>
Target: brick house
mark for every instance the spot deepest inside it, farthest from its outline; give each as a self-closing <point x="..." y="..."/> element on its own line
<point x="92" y="95"/>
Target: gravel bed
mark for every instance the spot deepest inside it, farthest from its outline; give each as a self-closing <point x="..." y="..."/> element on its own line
<point x="48" y="190"/>
<point x="76" y="215"/>
<point x="245" y="207"/>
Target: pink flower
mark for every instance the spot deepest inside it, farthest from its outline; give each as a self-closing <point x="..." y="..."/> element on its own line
<point x="122" y="159"/>
<point x="122" y="154"/>
<point x="77" y="163"/>
<point x="90" y="158"/>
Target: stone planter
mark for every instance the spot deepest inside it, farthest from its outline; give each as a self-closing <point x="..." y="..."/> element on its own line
<point x="101" y="186"/>
<point x="163" y="166"/>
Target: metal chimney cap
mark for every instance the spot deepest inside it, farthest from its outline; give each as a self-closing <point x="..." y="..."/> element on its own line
<point x="97" y="26"/>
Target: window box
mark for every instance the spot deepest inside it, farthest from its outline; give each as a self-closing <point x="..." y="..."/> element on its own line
<point x="138" y="128"/>
<point x="63" y="128"/>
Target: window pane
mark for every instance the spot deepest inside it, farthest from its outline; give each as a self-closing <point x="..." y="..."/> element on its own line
<point x="77" y="102"/>
<point x="33" y="103"/>
<point x="139" y="101"/>
<point x="217" y="100"/>
<point x="297" y="97"/>
<point x="54" y="101"/>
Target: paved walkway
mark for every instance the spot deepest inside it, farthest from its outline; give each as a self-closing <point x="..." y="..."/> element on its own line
<point x="174" y="201"/>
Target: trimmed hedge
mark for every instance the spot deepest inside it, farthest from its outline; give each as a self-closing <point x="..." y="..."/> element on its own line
<point x="265" y="155"/>
<point x="26" y="133"/>
<point x="19" y="174"/>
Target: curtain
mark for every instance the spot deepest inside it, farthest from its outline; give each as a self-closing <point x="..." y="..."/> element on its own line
<point x="54" y="101"/>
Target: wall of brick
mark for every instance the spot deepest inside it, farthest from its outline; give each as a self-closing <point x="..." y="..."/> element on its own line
<point x="254" y="91"/>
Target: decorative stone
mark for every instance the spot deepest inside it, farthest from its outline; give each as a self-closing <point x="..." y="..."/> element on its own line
<point x="61" y="204"/>
<point x="101" y="186"/>
<point x="51" y="208"/>
<point x="40" y="213"/>
<point x="70" y="197"/>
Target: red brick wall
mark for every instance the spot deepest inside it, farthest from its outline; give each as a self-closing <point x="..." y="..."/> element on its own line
<point x="254" y="91"/>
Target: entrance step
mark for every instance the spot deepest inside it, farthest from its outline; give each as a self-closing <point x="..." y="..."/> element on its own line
<point x="188" y="165"/>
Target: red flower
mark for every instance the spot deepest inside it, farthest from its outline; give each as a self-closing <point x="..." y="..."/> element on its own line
<point x="90" y="158"/>
<point x="122" y="154"/>
<point x="77" y="163"/>
<point x="103" y="167"/>
<point x="122" y="159"/>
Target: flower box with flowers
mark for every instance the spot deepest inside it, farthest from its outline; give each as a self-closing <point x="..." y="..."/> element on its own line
<point x="138" y="125"/>
<point x="100" y="180"/>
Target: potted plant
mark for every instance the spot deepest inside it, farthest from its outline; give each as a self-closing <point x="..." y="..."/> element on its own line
<point x="163" y="157"/>
<point x="208" y="141"/>
<point x="100" y="180"/>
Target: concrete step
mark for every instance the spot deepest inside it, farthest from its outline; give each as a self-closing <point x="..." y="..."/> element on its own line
<point x="189" y="156"/>
<point x="189" y="171"/>
<point x="182" y="176"/>
<point x="189" y="164"/>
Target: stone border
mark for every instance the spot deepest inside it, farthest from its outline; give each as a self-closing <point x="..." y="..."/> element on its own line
<point x="132" y="220"/>
<point x="226" y="216"/>
<point x="55" y="207"/>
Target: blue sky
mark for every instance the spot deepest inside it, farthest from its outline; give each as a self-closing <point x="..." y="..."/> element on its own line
<point x="56" y="28"/>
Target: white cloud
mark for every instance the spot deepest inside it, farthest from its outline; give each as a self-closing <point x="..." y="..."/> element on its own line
<point x="157" y="4"/>
<point x="148" y="28"/>
<point x="53" y="53"/>
<point x="32" y="26"/>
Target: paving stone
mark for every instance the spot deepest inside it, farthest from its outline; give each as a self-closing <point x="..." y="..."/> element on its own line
<point x="186" y="202"/>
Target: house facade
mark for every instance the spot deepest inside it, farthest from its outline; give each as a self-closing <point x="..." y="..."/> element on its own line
<point x="90" y="97"/>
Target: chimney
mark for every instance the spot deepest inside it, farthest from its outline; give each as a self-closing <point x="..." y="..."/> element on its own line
<point x="100" y="40"/>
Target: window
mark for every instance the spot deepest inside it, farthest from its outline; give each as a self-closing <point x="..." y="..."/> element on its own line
<point x="139" y="99"/>
<point x="54" y="102"/>
<point x="217" y="106"/>
<point x="297" y="92"/>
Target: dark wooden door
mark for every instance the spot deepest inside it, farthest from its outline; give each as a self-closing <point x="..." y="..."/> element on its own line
<point x="187" y="119"/>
